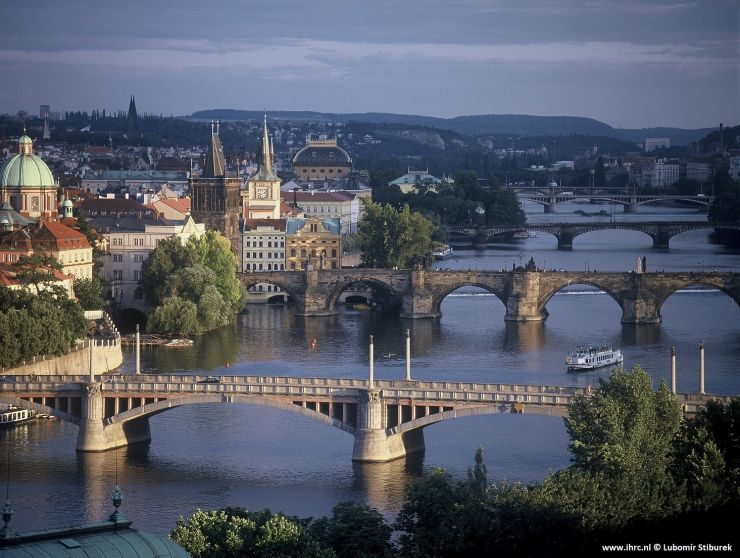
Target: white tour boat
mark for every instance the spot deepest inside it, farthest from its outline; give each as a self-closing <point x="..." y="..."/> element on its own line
<point x="588" y="358"/>
<point x="442" y="252"/>
<point x="11" y="416"/>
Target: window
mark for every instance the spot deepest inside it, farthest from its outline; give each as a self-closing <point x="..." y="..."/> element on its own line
<point x="334" y="253"/>
<point x="118" y="275"/>
<point x="260" y="244"/>
<point x="137" y="275"/>
<point x="118" y="257"/>
<point x="303" y="253"/>
<point x="138" y="258"/>
<point x="292" y="253"/>
<point x="282" y="244"/>
<point x="269" y="268"/>
<point x="292" y="266"/>
<point x="269" y="244"/>
<point x="333" y="265"/>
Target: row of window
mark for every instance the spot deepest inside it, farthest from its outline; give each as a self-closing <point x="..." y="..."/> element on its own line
<point x="118" y="241"/>
<point x="270" y="255"/>
<point x="269" y="289"/>
<point x="138" y="258"/>
<point x="270" y="244"/>
<point x="293" y="253"/>
<point x="118" y="275"/>
<point x="261" y="267"/>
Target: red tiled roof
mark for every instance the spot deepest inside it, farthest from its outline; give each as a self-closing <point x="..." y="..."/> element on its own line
<point x="179" y="204"/>
<point x="250" y="224"/>
<point x="53" y="234"/>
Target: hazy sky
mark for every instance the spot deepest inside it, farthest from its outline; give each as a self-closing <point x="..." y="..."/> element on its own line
<point x="629" y="63"/>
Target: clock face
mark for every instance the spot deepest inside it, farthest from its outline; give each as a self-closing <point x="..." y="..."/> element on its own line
<point x="262" y="193"/>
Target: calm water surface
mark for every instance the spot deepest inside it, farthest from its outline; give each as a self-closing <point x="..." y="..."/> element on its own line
<point x="210" y="456"/>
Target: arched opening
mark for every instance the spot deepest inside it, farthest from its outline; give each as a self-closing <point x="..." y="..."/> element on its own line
<point x="612" y="239"/>
<point x="694" y="313"/>
<point x="364" y="295"/>
<point x="266" y="293"/>
<point x="468" y="299"/>
<point x="127" y="319"/>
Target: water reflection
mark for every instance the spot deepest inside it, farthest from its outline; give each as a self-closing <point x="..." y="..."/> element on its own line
<point x="641" y="334"/>
<point x="381" y="483"/>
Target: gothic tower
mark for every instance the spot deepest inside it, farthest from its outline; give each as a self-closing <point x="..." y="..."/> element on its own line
<point x="133" y="119"/>
<point x="215" y="197"/>
<point x="263" y="185"/>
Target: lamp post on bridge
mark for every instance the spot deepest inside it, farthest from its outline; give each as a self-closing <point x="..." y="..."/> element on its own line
<point x="673" y="370"/>
<point x="408" y="355"/>
<point x="701" y="367"/>
<point x="371" y="383"/>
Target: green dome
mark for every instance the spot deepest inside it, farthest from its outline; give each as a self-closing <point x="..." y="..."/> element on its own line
<point x="25" y="170"/>
<point x="25" y="140"/>
<point x="67" y="203"/>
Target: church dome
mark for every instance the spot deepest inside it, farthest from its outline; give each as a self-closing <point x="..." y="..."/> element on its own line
<point x="25" y="169"/>
<point x="322" y="153"/>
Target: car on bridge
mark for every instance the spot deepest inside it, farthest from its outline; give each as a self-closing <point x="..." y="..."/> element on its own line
<point x="210" y="380"/>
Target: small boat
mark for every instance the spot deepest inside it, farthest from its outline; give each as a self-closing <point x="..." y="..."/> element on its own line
<point x="13" y="416"/>
<point x="179" y="344"/>
<point x="521" y="234"/>
<point x="588" y="358"/>
<point x="442" y="252"/>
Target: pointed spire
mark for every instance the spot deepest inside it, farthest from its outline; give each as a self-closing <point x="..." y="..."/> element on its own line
<point x="215" y="163"/>
<point x="266" y="151"/>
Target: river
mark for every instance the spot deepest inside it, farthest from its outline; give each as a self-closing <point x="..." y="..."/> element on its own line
<point x="211" y="456"/>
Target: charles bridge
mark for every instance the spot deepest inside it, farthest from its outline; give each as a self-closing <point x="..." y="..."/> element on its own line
<point x="385" y="417"/>
<point x="660" y="231"/>
<point x="524" y="294"/>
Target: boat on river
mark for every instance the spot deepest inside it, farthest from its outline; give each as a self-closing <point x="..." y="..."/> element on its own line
<point x="179" y="344"/>
<point x="442" y="252"/>
<point x="588" y="358"/>
<point x="12" y="416"/>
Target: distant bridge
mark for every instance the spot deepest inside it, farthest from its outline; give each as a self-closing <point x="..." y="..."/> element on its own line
<point x="524" y="293"/>
<point x="660" y="231"/>
<point x="629" y="201"/>
<point x="386" y="419"/>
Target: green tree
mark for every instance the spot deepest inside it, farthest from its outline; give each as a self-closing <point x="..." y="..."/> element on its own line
<point x="89" y="293"/>
<point x="238" y="533"/>
<point x="391" y="238"/>
<point x="175" y="316"/>
<point x="37" y="270"/>
<point x="623" y="436"/>
<point x="356" y="530"/>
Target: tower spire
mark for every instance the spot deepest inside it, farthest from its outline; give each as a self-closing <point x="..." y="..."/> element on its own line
<point x="266" y="151"/>
<point x="215" y="162"/>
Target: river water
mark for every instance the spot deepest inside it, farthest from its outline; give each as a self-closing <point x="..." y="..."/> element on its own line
<point x="211" y="456"/>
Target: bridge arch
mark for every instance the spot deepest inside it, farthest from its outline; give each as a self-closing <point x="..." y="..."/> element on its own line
<point x="161" y="406"/>
<point x="665" y="294"/>
<point x="547" y="294"/>
<point x="339" y="288"/>
<point x="439" y="296"/>
<point x="251" y="279"/>
<point x="493" y="409"/>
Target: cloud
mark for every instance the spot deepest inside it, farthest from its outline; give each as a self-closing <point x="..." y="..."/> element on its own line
<point x="336" y="58"/>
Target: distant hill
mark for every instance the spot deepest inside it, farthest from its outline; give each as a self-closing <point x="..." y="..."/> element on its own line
<point x="494" y="124"/>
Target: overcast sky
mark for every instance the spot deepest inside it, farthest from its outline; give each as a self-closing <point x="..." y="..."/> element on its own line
<point x="629" y="63"/>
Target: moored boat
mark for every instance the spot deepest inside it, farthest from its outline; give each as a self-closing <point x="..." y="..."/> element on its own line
<point x="442" y="252"/>
<point x="13" y="416"/>
<point x="179" y="344"/>
<point x="588" y="358"/>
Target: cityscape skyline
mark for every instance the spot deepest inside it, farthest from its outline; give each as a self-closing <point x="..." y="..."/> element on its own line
<point x="629" y="64"/>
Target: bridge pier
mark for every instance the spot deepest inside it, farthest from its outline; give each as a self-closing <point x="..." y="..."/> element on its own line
<point x="661" y="239"/>
<point x="94" y="435"/>
<point x="523" y="301"/>
<point x="550" y="207"/>
<point x="630" y="207"/>
<point x="313" y="301"/>
<point x="640" y="307"/>
<point x="372" y="442"/>
<point x="417" y="302"/>
<point x="565" y="240"/>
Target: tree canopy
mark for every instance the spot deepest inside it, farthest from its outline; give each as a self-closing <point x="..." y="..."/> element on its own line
<point x="192" y="287"/>
<point x="391" y="238"/>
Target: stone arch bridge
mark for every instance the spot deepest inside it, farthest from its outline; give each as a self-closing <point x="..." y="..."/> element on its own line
<point x="386" y="419"/>
<point x="523" y="293"/>
<point x="661" y="232"/>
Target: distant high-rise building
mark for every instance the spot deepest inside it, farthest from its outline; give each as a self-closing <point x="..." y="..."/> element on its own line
<point x="215" y="197"/>
<point x="47" y="130"/>
<point x="133" y="119"/>
<point x="44" y="111"/>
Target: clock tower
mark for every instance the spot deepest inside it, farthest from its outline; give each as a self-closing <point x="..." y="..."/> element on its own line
<point x="263" y="185"/>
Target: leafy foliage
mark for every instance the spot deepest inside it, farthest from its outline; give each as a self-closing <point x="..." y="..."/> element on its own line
<point x="47" y="323"/>
<point x="391" y="238"/>
<point x="88" y="292"/>
<point x="197" y="279"/>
